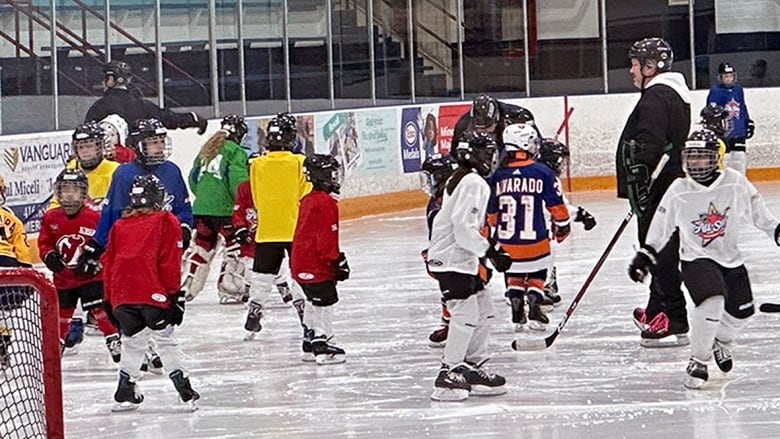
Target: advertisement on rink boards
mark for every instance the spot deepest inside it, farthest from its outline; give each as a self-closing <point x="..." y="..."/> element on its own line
<point x="427" y="130"/>
<point x="30" y="165"/>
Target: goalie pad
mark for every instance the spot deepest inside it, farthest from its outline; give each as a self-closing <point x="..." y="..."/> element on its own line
<point x="196" y="271"/>
<point x="231" y="285"/>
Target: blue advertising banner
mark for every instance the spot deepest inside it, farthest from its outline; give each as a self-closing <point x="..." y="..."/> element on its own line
<point x="411" y="156"/>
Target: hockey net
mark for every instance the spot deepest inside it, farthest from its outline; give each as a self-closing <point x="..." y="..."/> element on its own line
<point x="30" y="375"/>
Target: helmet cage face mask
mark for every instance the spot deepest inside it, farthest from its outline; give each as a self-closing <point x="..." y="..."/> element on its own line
<point x="89" y="151"/>
<point x="700" y="159"/>
<point x="71" y="188"/>
<point x="161" y="149"/>
<point x="554" y="155"/>
<point x="485" y="112"/>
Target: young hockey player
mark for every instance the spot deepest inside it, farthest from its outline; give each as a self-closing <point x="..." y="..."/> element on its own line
<point x="521" y="191"/>
<point x="555" y="155"/>
<point x="142" y="273"/>
<point x="453" y="256"/>
<point x="14" y="252"/>
<point x="278" y="183"/>
<point x="216" y="173"/>
<point x="64" y="231"/>
<point x="316" y="261"/>
<point x="116" y="132"/>
<point x="435" y="171"/>
<point x="716" y="119"/>
<point x="707" y="208"/>
<point x="729" y="93"/>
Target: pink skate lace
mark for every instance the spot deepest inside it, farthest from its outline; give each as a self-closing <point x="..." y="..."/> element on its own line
<point x="659" y="324"/>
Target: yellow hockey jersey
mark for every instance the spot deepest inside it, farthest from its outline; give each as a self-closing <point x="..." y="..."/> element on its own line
<point x="278" y="184"/>
<point x="13" y="239"/>
<point x="99" y="180"/>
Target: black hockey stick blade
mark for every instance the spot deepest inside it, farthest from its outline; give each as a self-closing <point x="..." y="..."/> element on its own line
<point x="769" y="307"/>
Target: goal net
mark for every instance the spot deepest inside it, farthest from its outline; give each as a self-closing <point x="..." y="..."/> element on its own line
<point x="30" y="376"/>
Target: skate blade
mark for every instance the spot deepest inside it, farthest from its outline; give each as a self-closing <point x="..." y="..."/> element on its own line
<point x="437" y="344"/>
<point x="308" y="357"/>
<point x="323" y="360"/>
<point x="666" y="342"/>
<point x="70" y="352"/>
<point x="479" y="390"/>
<point x="124" y="407"/>
<point x="230" y="301"/>
<point x="519" y="327"/>
<point x="537" y="326"/>
<point x="449" y="395"/>
<point x="693" y="383"/>
<point x="191" y="405"/>
<point x="250" y="335"/>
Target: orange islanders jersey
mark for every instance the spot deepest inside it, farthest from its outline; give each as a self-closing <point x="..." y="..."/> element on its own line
<point x="520" y="192"/>
<point x="13" y="239"/>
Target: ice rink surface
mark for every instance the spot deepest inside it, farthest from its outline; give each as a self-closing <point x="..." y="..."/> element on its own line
<point x="594" y="382"/>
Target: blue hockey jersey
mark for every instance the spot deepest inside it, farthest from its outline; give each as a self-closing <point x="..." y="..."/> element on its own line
<point x="733" y="100"/>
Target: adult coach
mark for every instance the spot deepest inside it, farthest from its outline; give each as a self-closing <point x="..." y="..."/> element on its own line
<point x="658" y="125"/>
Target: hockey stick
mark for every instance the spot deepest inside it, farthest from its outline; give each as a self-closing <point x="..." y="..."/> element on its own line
<point x="769" y="307"/>
<point x="538" y="344"/>
<point x="37" y="209"/>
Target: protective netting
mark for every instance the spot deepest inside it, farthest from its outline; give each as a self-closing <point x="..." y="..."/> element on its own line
<point x="24" y="381"/>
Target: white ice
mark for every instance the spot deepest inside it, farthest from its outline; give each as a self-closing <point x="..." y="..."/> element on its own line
<point x="594" y="382"/>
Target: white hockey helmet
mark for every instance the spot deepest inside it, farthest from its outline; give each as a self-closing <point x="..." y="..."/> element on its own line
<point x="521" y="137"/>
<point x="113" y="123"/>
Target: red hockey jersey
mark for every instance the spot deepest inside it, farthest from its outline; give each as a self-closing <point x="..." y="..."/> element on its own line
<point x="245" y="215"/>
<point x="67" y="236"/>
<point x="123" y="154"/>
<point x="142" y="261"/>
<point x="315" y="246"/>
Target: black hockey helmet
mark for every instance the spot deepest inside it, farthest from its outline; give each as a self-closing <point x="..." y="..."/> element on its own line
<point x="726" y="68"/>
<point x="281" y="132"/>
<point x="120" y="70"/>
<point x="144" y="133"/>
<point x="484" y="112"/>
<point x="235" y="126"/>
<point x="436" y="169"/>
<point x="147" y="191"/>
<point x="553" y="154"/>
<point x="714" y="117"/>
<point x="324" y="172"/>
<point x="653" y="49"/>
<point x="71" y="178"/>
<point x="86" y="135"/>
<point x="477" y="151"/>
<point x="701" y="155"/>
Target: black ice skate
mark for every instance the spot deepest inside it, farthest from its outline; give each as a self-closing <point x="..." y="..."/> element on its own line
<point x="438" y="338"/>
<point x="114" y="345"/>
<point x="518" y="313"/>
<point x="326" y="353"/>
<point x="450" y="384"/>
<point x="551" y="296"/>
<point x="284" y="291"/>
<point x="308" y="352"/>
<point x="5" y="354"/>
<point x="127" y="395"/>
<point x="483" y="383"/>
<point x="721" y="351"/>
<point x="696" y="374"/>
<point x="253" y="317"/>
<point x="537" y="319"/>
<point x="663" y="332"/>
<point x="152" y="363"/>
<point x="183" y="386"/>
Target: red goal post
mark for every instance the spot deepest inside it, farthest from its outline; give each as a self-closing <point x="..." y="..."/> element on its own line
<point x="31" y="378"/>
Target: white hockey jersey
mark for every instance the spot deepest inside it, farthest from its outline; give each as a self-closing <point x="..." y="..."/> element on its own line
<point x="456" y="243"/>
<point x="709" y="218"/>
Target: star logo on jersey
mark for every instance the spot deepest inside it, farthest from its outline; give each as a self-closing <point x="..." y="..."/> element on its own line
<point x="710" y="225"/>
<point x="11" y="157"/>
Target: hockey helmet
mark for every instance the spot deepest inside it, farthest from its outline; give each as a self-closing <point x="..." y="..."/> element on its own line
<point x="235" y="126"/>
<point x="727" y="69"/>
<point x="653" y="49"/>
<point x="701" y="155"/>
<point x="151" y="140"/>
<point x="88" y="145"/>
<point x="147" y="192"/>
<point x="71" y="187"/>
<point x="553" y="154"/>
<point x="119" y="70"/>
<point x="714" y="117"/>
<point x="477" y="151"/>
<point x="484" y="112"/>
<point x="281" y="132"/>
<point x="324" y="172"/>
<point x="521" y="137"/>
<point x="435" y="171"/>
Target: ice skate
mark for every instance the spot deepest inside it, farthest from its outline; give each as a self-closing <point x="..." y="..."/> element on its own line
<point x="722" y="352"/>
<point x="483" y="383"/>
<point x="450" y="384"/>
<point x="127" y="395"/>
<point x="254" y="314"/>
<point x="152" y="363"/>
<point x="75" y="332"/>
<point x="438" y="338"/>
<point x="640" y="319"/>
<point x="325" y="352"/>
<point x="551" y="296"/>
<point x="91" y="327"/>
<point x="183" y="386"/>
<point x="519" y="318"/>
<point x="537" y="319"/>
<point x="114" y="345"/>
<point x="662" y="332"/>
<point x="299" y="306"/>
<point x="308" y="353"/>
<point x="696" y="374"/>
<point x="5" y="354"/>
<point x="284" y="291"/>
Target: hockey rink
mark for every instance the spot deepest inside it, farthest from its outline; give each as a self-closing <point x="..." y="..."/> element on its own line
<point x="594" y="382"/>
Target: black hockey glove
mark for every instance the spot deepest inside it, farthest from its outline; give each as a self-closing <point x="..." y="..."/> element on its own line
<point x="498" y="256"/>
<point x="561" y="232"/>
<point x="176" y="308"/>
<point x="751" y="129"/>
<point x="186" y="236"/>
<point x="200" y="123"/>
<point x="53" y="262"/>
<point x="777" y="235"/>
<point x="242" y="236"/>
<point x="342" y="267"/>
<point x="640" y="266"/>
<point x="584" y="217"/>
<point x="110" y="313"/>
<point x="89" y="261"/>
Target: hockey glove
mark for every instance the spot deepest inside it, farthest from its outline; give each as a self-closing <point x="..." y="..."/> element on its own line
<point x="200" y="123"/>
<point x="176" y="308"/>
<point x="498" y="256"/>
<point x="777" y="235"/>
<point x="640" y="266"/>
<point x="751" y="129"/>
<point x="53" y="262"/>
<point x="584" y="217"/>
<point x="186" y="236"/>
<point x="242" y="236"/>
<point x="561" y="231"/>
<point x="342" y="267"/>
<point x="89" y="261"/>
